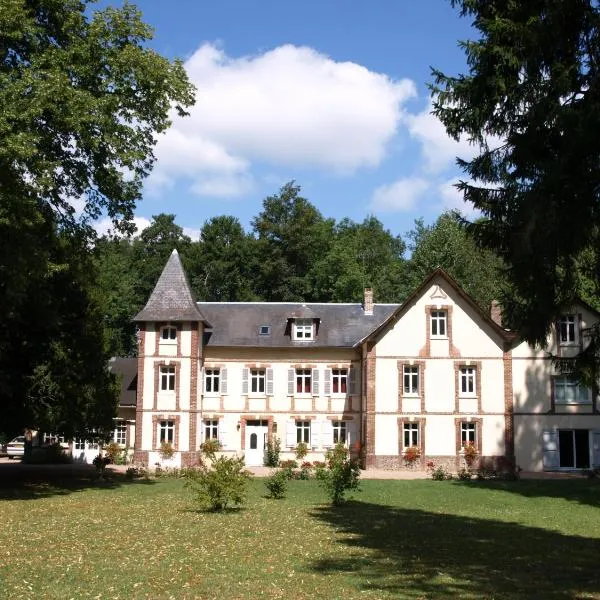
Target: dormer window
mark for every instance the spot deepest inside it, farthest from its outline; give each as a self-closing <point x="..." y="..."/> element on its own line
<point x="303" y="329"/>
<point x="168" y="334"/>
<point x="264" y="330"/>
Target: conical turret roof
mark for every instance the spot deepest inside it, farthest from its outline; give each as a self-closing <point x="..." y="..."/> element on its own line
<point x="171" y="299"/>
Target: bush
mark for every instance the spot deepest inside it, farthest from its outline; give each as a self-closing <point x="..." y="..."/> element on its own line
<point x="305" y="470"/>
<point x="53" y="454"/>
<point x="166" y="450"/>
<point x="440" y="473"/>
<point x="221" y="485"/>
<point x="210" y="448"/>
<point x="465" y="475"/>
<point x="301" y="450"/>
<point x="113" y="451"/>
<point x="272" y="453"/>
<point x="340" y="475"/>
<point x="277" y="485"/>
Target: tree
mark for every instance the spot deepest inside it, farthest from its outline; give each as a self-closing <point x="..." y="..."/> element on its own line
<point x="531" y="102"/>
<point x="447" y="244"/>
<point x="291" y="236"/>
<point x="83" y="98"/>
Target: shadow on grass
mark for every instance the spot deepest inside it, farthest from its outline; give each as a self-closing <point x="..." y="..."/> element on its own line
<point x="583" y="491"/>
<point x="32" y="482"/>
<point x="417" y="554"/>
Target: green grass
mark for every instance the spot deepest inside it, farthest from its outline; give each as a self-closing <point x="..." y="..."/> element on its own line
<point x="396" y="539"/>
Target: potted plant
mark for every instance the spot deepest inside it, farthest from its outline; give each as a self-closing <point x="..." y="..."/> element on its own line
<point x="166" y="450"/>
<point x="411" y="455"/>
<point x="470" y="454"/>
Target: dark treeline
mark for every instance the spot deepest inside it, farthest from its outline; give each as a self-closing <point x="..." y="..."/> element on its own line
<point x="292" y="253"/>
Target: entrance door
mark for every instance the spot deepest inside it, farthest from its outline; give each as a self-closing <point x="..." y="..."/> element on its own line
<point x="256" y="441"/>
<point x="574" y="448"/>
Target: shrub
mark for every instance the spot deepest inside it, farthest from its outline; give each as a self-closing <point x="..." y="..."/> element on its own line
<point x="53" y="454"/>
<point x="221" y="485"/>
<point x="100" y="462"/>
<point x="412" y="455"/>
<point x="465" y="475"/>
<point x="272" y="453"/>
<point x="133" y="472"/>
<point x="277" y="485"/>
<point x="439" y="473"/>
<point x="470" y="454"/>
<point x="305" y="470"/>
<point x="210" y="448"/>
<point x="301" y="450"/>
<point x="340" y="475"/>
<point x="113" y="451"/>
<point x="166" y="450"/>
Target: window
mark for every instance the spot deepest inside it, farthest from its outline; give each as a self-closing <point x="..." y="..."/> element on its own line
<point x="467" y="434"/>
<point x="79" y="443"/>
<point x="339" y="432"/>
<point x="411" y="379"/>
<point x="264" y="330"/>
<point x="166" y="431"/>
<point x="120" y="433"/>
<point x="438" y="323"/>
<point x="257" y="381"/>
<point x="168" y="334"/>
<point x="211" y="429"/>
<point x="303" y="432"/>
<point x="303" y="329"/>
<point x="167" y="379"/>
<point x="570" y="391"/>
<point x="339" y="381"/>
<point x="52" y="438"/>
<point x="303" y="381"/>
<point x="567" y="330"/>
<point x="211" y="381"/>
<point x="411" y="434"/>
<point x="467" y="380"/>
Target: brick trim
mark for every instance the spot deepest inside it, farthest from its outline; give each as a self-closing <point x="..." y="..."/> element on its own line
<point x="243" y="423"/>
<point x="422" y="429"/>
<point x="344" y="417"/>
<point x="194" y="385"/>
<point x="139" y="403"/>
<point x="164" y="363"/>
<point x="155" y="421"/>
<point x="369" y="388"/>
<point x="457" y="367"/>
<point x="421" y="364"/>
<point x="509" y="422"/>
<point x="425" y="352"/>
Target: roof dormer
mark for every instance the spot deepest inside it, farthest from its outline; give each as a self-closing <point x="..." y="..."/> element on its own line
<point x="303" y="324"/>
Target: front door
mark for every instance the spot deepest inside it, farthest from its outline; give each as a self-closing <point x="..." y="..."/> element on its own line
<point x="574" y="448"/>
<point x="257" y="433"/>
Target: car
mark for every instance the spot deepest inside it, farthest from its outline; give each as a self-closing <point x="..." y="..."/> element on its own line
<point x="16" y="447"/>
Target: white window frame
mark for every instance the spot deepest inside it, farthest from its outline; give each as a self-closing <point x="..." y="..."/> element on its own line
<point x="168" y="334"/>
<point x="411" y="435"/>
<point x="467" y="377"/>
<point x="340" y="432"/>
<point x="166" y="431"/>
<point x="410" y="383"/>
<point x="211" y="429"/>
<point x="212" y="380"/>
<point x="120" y="433"/>
<point x="303" y="432"/>
<point x="258" y="382"/>
<point x="468" y="433"/>
<point x="303" y="330"/>
<point x="167" y="378"/>
<point x="304" y="381"/>
<point x="439" y="321"/>
<point x="339" y="380"/>
<point x="568" y="324"/>
<point x="568" y="391"/>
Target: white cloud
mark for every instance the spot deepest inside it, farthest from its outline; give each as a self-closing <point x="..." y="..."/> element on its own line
<point x="105" y="225"/>
<point x="453" y="199"/>
<point x="223" y="186"/>
<point x="287" y="106"/>
<point x="439" y="150"/>
<point x="401" y="195"/>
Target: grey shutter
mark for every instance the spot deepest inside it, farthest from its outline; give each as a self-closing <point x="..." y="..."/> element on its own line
<point x="315" y="433"/>
<point x="351" y="432"/>
<point x="201" y="430"/>
<point x="352" y="375"/>
<point x="327" y="383"/>
<point x="550" y="449"/>
<point x="245" y="374"/>
<point x="291" y="381"/>
<point x="290" y="434"/>
<point x="596" y="448"/>
<point x="327" y="432"/>
<point x="314" y="383"/>
<point x="223" y="381"/>
<point x="202" y="384"/>
<point x="223" y="433"/>
<point x="269" y="382"/>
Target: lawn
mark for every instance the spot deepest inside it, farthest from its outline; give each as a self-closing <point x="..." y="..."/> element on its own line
<point x="396" y="539"/>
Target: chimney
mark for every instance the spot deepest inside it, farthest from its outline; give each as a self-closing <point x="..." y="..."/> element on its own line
<point x="496" y="312"/>
<point x="368" y="303"/>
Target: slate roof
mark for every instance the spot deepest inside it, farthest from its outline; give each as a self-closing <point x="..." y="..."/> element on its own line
<point x="127" y="369"/>
<point x="339" y="325"/>
<point x="171" y="299"/>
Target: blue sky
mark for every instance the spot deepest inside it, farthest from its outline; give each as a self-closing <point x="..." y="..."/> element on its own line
<point x="330" y="93"/>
